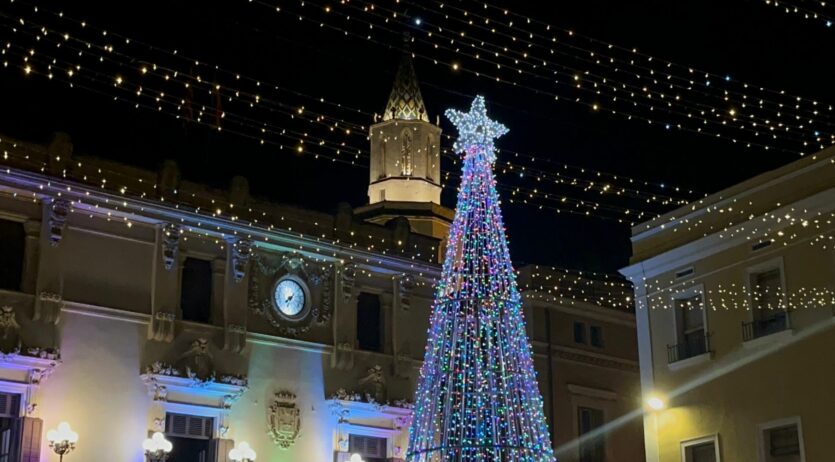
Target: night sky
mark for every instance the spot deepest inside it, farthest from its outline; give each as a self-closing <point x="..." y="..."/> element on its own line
<point x="745" y="40"/>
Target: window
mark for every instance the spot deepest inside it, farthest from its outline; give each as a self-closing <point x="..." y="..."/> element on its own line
<point x="768" y="309"/>
<point x="372" y="449"/>
<point x="690" y="328"/>
<point x="196" y="290"/>
<point x="369" y="322"/>
<point x="12" y="244"/>
<point x="190" y="436"/>
<point x="766" y="289"/>
<point x="579" y="332"/>
<point x="9" y="426"/>
<point x="594" y="449"/>
<point x="782" y="443"/>
<point x="596" y="336"/>
<point x="700" y="452"/>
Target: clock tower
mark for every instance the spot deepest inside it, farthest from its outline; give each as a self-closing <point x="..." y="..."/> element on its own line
<point x="405" y="170"/>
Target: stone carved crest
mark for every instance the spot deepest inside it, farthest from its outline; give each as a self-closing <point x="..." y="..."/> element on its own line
<point x="170" y="244"/>
<point x="241" y="251"/>
<point x="58" y="212"/>
<point x="284" y="421"/>
<point x="374" y="384"/>
<point x="268" y="268"/>
<point x="197" y="360"/>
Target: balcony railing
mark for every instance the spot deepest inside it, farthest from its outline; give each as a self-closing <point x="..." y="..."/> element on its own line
<point x="693" y="346"/>
<point x="772" y="324"/>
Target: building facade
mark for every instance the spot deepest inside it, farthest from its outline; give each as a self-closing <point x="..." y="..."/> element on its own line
<point x="134" y="301"/>
<point x="734" y="297"/>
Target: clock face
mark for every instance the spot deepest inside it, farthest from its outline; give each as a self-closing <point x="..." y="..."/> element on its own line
<point x="289" y="298"/>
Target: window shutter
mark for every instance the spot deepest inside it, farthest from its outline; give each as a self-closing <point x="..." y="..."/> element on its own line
<point x="367" y="446"/>
<point x="188" y="426"/>
<point x="30" y="442"/>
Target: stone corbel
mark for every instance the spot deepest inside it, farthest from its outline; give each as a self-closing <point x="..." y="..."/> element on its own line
<point x="349" y="277"/>
<point x="234" y="338"/>
<point x="162" y="326"/>
<point x="48" y="306"/>
<point x="405" y="286"/>
<point x="170" y="245"/>
<point x="241" y="252"/>
<point x="58" y="211"/>
<point x="343" y="356"/>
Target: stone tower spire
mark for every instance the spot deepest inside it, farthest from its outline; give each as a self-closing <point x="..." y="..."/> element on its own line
<point x="405" y="101"/>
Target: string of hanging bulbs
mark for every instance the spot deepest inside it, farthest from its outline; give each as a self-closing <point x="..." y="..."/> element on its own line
<point x="592" y="104"/>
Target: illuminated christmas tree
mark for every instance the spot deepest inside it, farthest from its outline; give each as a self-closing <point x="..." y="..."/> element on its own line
<point x="477" y="397"/>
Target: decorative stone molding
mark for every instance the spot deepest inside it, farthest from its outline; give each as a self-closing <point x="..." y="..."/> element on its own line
<point x="170" y="244"/>
<point x="405" y="285"/>
<point x="48" y="307"/>
<point x="234" y="338"/>
<point x="356" y="417"/>
<point x="58" y="211"/>
<point x="284" y="421"/>
<point x="269" y="268"/>
<point x="162" y="326"/>
<point x="198" y="361"/>
<point x="23" y="372"/>
<point x="241" y="251"/>
<point x="173" y="386"/>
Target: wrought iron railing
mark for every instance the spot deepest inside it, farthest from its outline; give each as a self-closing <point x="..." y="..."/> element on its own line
<point x="695" y="346"/>
<point x="773" y="324"/>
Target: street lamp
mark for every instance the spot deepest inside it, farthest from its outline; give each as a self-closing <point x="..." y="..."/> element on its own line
<point x="242" y="453"/>
<point x="356" y="458"/>
<point x="62" y="440"/>
<point x="157" y="447"/>
<point x="656" y="403"/>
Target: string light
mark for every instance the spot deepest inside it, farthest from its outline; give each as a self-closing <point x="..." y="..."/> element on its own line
<point x="477" y="396"/>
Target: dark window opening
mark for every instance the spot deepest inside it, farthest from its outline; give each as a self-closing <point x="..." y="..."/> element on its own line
<point x="596" y="336"/>
<point x="190" y="436"/>
<point x="579" y="332"/>
<point x="594" y="449"/>
<point x="196" y="290"/>
<point x="371" y="448"/>
<point x="369" y="322"/>
<point x="10" y="427"/>
<point x="12" y="244"/>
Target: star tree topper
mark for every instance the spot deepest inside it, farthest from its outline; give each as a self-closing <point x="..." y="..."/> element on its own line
<point x="476" y="131"/>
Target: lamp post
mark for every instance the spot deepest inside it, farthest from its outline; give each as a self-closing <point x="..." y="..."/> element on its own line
<point x="356" y="458"/>
<point x="242" y="453"/>
<point x="157" y="447"/>
<point x="62" y="440"/>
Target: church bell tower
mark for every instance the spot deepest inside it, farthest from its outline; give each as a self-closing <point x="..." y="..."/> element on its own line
<point x="405" y="169"/>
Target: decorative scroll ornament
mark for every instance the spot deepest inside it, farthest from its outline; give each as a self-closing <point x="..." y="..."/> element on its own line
<point x="58" y="212"/>
<point x="170" y="244"/>
<point x="284" y="420"/>
<point x="162" y="327"/>
<point x="267" y="269"/>
<point x="241" y="251"/>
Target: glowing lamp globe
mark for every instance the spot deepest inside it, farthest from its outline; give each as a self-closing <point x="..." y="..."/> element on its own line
<point x="242" y="453"/>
